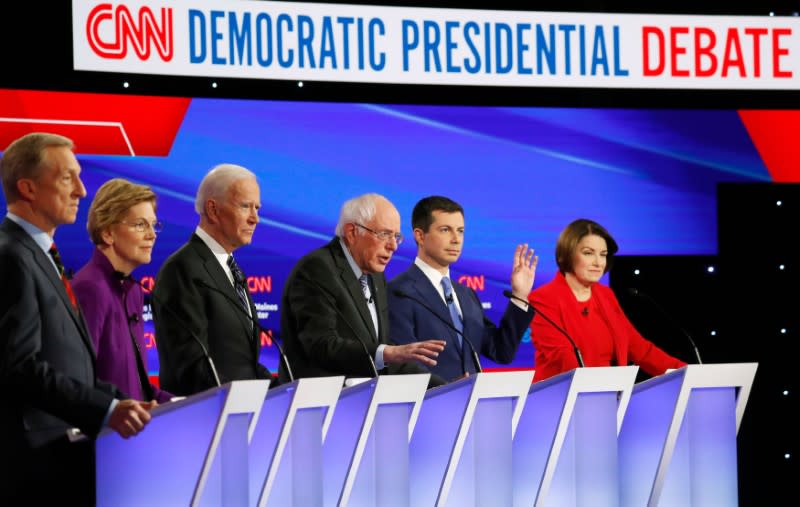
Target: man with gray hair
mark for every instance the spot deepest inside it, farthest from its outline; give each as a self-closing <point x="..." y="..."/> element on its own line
<point x="47" y="362"/>
<point x="334" y="312"/>
<point x="205" y="319"/>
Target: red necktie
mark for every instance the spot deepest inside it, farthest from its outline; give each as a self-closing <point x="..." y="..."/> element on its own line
<point x="60" y="266"/>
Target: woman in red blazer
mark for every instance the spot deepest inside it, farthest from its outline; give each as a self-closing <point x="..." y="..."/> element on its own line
<point x="587" y="311"/>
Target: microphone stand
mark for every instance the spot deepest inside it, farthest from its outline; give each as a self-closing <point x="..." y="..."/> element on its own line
<point x="399" y="293"/>
<point x="507" y="293"/>
<point x="183" y="324"/>
<point x="640" y="294"/>
<point x="253" y="320"/>
<point x="332" y="300"/>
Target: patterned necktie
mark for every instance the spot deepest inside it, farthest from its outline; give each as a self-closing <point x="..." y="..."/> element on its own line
<point x="365" y="287"/>
<point x="239" y="283"/>
<point x="60" y="266"/>
<point x="364" y="280"/>
<point x="451" y="305"/>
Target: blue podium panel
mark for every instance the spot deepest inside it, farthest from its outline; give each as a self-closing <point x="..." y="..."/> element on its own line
<point x="565" y="446"/>
<point x="365" y="453"/>
<point x="678" y="441"/>
<point x="285" y="454"/>
<point x="460" y="452"/>
<point x="194" y="448"/>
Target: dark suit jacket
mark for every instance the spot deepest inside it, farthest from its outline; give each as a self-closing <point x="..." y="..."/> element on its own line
<point x="47" y="363"/>
<point x="325" y="321"/>
<point x="182" y="308"/>
<point x="410" y="322"/>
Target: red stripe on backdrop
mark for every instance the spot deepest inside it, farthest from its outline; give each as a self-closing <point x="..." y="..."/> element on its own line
<point x="776" y="136"/>
<point x="99" y="124"/>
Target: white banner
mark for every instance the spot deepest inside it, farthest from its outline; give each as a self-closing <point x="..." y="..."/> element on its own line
<point x="368" y="44"/>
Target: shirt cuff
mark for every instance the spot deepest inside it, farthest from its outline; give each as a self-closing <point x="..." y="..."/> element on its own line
<point x="109" y="411"/>
<point x="379" y="357"/>
<point x="522" y="306"/>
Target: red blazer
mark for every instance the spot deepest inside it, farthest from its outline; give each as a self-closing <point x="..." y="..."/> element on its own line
<point x="555" y="355"/>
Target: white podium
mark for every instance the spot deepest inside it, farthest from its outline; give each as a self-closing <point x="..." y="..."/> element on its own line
<point x="193" y="452"/>
<point x="285" y="453"/>
<point x="365" y="453"/>
<point x="678" y="440"/>
<point x="565" y="447"/>
<point x="460" y="453"/>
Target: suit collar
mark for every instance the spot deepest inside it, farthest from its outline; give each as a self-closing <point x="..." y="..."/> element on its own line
<point x="422" y="288"/>
<point x="350" y="281"/>
<point x="220" y="280"/>
<point x="45" y="263"/>
<point x="430" y="272"/>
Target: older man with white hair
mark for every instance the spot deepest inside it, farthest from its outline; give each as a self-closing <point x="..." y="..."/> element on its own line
<point x="200" y="286"/>
<point x="334" y="310"/>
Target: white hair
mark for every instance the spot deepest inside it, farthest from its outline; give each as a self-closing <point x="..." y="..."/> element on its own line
<point x="217" y="182"/>
<point x="358" y="210"/>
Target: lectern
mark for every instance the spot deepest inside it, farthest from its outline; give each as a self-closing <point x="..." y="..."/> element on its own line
<point x="678" y="440"/>
<point x="193" y="451"/>
<point x="565" y="447"/>
<point x="460" y="453"/>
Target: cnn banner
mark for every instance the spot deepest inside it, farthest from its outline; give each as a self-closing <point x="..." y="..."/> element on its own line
<point x="372" y="44"/>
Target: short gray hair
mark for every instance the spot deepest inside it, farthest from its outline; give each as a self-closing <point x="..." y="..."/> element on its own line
<point x="358" y="210"/>
<point x="217" y="182"/>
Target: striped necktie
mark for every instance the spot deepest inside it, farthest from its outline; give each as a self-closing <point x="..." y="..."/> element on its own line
<point x="239" y="284"/>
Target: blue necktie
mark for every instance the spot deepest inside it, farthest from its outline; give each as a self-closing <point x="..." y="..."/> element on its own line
<point x="238" y="284"/>
<point x="451" y="305"/>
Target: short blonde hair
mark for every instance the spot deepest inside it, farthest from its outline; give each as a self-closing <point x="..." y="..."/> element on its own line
<point x="25" y="158"/>
<point x="112" y="200"/>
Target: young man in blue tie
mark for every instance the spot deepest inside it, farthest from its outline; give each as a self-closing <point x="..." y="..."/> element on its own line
<point x="424" y="303"/>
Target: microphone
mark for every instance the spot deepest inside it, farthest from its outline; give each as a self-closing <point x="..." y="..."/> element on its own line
<point x="253" y="319"/>
<point x="507" y="293"/>
<point x="332" y="300"/>
<point x="183" y="324"/>
<point x="401" y="294"/>
<point x="640" y="294"/>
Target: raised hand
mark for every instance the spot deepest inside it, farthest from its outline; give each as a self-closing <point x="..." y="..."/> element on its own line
<point x="523" y="271"/>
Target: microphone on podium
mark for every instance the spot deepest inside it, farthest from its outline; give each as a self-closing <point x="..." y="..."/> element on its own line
<point x="186" y="326"/>
<point x="507" y="293"/>
<point x="332" y="300"/>
<point x="639" y="294"/>
<point x="202" y="283"/>
<point x="401" y="294"/>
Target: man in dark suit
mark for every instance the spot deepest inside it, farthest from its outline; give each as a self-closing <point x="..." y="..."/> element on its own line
<point x="334" y="314"/>
<point x="438" y="224"/>
<point x="201" y="294"/>
<point x="47" y="362"/>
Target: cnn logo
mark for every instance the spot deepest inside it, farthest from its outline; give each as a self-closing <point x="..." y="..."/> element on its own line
<point x="110" y="30"/>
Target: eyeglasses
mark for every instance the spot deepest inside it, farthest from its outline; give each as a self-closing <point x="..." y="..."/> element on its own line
<point x="144" y="225"/>
<point x="383" y="235"/>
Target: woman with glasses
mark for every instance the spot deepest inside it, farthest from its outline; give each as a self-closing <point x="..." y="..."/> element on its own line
<point x="123" y="226"/>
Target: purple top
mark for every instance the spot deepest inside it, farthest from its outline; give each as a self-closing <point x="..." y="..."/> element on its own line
<point x="101" y="293"/>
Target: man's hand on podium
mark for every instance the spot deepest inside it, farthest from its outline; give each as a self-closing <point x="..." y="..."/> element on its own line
<point x="424" y="352"/>
<point x="130" y="417"/>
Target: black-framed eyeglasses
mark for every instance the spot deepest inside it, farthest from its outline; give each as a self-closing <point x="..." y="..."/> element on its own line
<point x="383" y="235"/>
<point x="144" y="225"/>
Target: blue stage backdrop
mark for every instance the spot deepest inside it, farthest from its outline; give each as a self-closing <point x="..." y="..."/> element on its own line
<point x="522" y="174"/>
